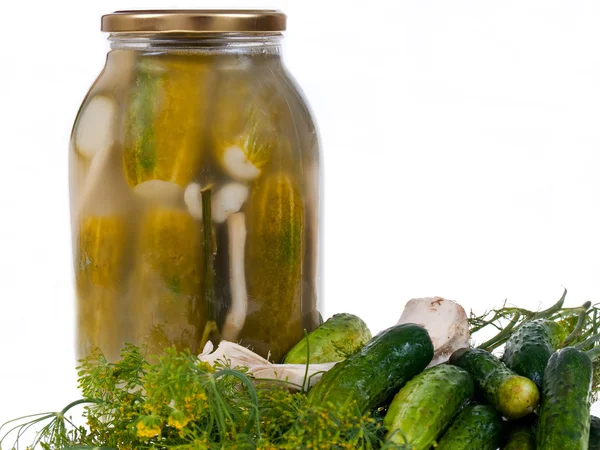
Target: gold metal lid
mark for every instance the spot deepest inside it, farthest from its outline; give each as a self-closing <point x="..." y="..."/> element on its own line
<point x="194" y="21"/>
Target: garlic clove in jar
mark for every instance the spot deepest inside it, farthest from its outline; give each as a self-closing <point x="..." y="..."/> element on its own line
<point x="237" y="165"/>
<point x="193" y="199"/>
<point x="228" y="200"/>
<point x="94" y="131"/>
<point x="236" y="317"/>
<point x="445" y="321"/>
<point x="160" y="192"/>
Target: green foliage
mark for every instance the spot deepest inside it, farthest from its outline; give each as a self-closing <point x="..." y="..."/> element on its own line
<point x="182" y="403"/>
<point x="582" y="324"/>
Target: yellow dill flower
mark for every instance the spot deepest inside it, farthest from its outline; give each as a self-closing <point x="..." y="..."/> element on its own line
<point x="178" y="419"/>
<point x="148" y="427"/>
<point x="203" y="365"/>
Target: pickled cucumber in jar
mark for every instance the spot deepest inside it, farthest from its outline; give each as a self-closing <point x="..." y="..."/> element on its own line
<point x="166" y="118"/>
<point x="194" y="196"/>
<point x="166" y="284"/>
<point x="274" y="266"/>
<point x="99" y="273"/>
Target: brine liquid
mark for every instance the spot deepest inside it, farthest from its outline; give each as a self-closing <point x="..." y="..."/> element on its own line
<point x="194" y="197"/>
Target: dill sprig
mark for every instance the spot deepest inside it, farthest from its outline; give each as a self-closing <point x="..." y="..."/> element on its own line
<point x="182" y="403"/>
<point x="582" y="324"/>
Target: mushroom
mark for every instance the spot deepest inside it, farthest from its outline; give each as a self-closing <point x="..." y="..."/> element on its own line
<point x="445" y="321"/>
<point x="234" y="322"/>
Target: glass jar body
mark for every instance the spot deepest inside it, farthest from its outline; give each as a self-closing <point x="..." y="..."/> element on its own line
<point x="194" y="199"/>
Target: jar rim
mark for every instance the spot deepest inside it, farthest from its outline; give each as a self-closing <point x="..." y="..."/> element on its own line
<point x="194" y="21"/>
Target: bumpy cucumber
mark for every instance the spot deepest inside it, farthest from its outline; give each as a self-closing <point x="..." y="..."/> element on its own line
<point x="528" y="350"/>
<point x="512" y="395"/>
<point x="521" y="438"/>
<point x="245" y="138"/>
<point x="477" y="427"/>
<point x="565" y="413"/>
<point x="341" y="336"/>
<point x="594" y="433"/>
<point x="426" y="405"/>
<point x="275" y="224"/>
<point x="100" y="261"/>
<point x="167" y="302"/>
<point x="370" y="377"/>
<point x="166" y="118"/>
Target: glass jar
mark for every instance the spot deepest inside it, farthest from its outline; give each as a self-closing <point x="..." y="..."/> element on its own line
<point x="194" y="168"/>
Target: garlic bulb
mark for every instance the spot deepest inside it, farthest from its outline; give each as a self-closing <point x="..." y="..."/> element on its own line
<point x="232" y="354"/>
<point x="445" y="321"/>
<point x="235" y="355"/>
<point x="292" y="373"/>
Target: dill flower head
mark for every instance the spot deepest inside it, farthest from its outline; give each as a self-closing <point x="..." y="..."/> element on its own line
<point x="148" y="427"/>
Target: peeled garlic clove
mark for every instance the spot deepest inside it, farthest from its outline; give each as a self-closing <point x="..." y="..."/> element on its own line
<point x="160" y="192"/>
<point x="445" y="321"/>
<point x="238" y="166"/>
<point x="231" y="353"/>
<point x="234" y="355"/>
<point x="94" y="132"/>
<point x="228" y="200"/>
<point x="193" y="199"/>
<point x="292" y="373"/>
<point x="104" y="189"/>
<point x="236" y="317"/>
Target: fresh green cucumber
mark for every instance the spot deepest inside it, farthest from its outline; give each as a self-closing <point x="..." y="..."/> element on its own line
<point x="372" y="376"/>
<point x="565" y="413"/>
<point x="477" y="427"/>
<point x="427" y="404"/>
<point x="528" y="350"/>
<point x="512" y="395"/>
<point x="341" y="336"/>
<point x="521" y="438"/>
<point x="594" y="433"/>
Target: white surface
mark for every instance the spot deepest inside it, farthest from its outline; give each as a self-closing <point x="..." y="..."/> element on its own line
<point x="461" y="148"/>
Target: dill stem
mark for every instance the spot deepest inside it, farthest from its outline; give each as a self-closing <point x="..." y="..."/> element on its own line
<point x="581" y="322"/>
<point x="209" y="266"/>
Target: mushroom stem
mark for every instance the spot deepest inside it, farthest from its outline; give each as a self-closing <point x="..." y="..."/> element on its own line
<point x="234" y="322"/>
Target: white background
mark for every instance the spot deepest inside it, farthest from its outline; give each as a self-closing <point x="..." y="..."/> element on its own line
<point x="461" y="149"/>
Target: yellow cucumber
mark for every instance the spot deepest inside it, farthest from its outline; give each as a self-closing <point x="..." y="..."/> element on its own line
<point x="274" y="252"/>
<point x="244" y="134"/>
<point x="100" y="261"/>
<point x="166" y="118"/>
<point x="167" y="298"/>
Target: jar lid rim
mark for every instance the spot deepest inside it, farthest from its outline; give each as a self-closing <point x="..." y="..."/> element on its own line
<point x="194" y="21"/>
